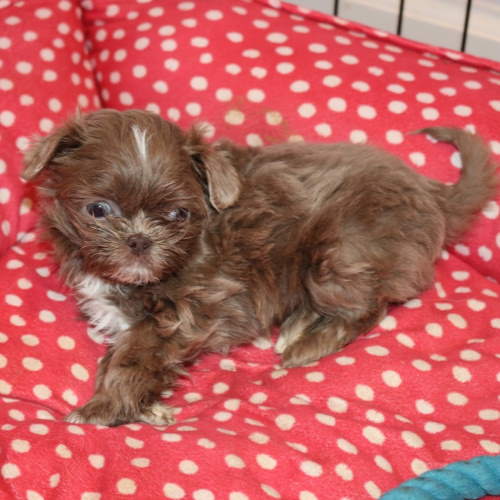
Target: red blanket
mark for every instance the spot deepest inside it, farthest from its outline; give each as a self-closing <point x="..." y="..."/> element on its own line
<point x="418" y="392"/>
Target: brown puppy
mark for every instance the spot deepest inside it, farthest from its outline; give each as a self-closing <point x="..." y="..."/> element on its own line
<point x="175" y="247"/>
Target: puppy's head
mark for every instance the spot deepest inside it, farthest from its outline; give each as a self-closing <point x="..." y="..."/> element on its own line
<point x="125" y="193"/>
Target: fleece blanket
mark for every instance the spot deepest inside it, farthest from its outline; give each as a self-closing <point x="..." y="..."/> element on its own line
<point x="418" y="392"/>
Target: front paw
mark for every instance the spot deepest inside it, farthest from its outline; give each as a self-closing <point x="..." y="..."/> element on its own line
<point x="104" y="411"/>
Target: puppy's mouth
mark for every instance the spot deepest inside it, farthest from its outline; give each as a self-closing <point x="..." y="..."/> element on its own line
<point x="135" y="261"/>
<point x="134" y="274"/>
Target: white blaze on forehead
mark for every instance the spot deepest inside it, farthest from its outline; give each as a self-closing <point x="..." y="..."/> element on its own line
<point x="141" y="141"/>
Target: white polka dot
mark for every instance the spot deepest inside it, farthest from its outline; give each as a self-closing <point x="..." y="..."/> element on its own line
<point x="5" y="387"/>
<point x="315" y="377"/>
<point x="451" y="445"/>
<point x="358" y="137"/>
<point x="70" y="397"/>
<point x="256" y="95"/>
<point x="325" y="419"/>
<point x="173" y="491"/>
<point x="32" y="364"/>
<point x="337" y="405"/>
<point x="20" y="445"/>
<point x="490" y="446"/>
<point x="63" y="451"/>
<point x="234" y="117"/>
<point x="311" y="468"/>
<point x="235" y="37"/>
<point x="233" y="69"/>
<point x="397" y="107"/>
<point x="126" y="486"/>
<point x="47" y="316"/>
<point x="285" y="68"/>
<point x="462" y="110"/>
<point x="276" y="38"/>
<point x="97" y="461"/>
<point x="434" y="329"/>
<point x="344" y="472"/>
<point x="203" y="495"/>
<point x="364" y="392"/>
<point x="429" y="113"/>
<point x="23" y="67"/>
<point x="188" y="467"/>
<point x="300" y="86"/>
<point x="31" y="340"/>
<point x="332" y="81"/>
<point x="388" y="323"/>
<point x="457" y="321"/>
<point x="7" y="118"/>
<point x="383" y="463"/>
<point x="234" y="461"/>
<point x="425" y="98"/>
<point x="491" y="210"/>
<point x="274" y="118"/>
<point x="10" y="471"/>
<point x="412" y="439"/>
<point x="434" y="427"/>
<point x="394" y="137"/>
<point x="424" y="407"/>
<point x="41" y="391"/>
<point x="375" y="416"/>
<point x="285" y="422"/>
<point x="307" y="110"/>
<point x="214" y="15"/>
<point x="406" y="76"/>
<point x="367" y="112"/>
<point x="485" y="253"/>
<point x="489" y="414"/>
<point x="349" y="59"/>
<point x="259" y="438"/>
<point x="347" y="446"/>
<point x="395" y="88"/>
<point x="391" y="378"/>
<point x="13" y="300"/>
<point x="437" y="75"/>
<point x="266" y="461"/>
<point x="258" y="398"/>
<point x="199" y="83"/>
<point x="360" y="86"/>
<point x="470" y="355"/>
<point x="373" y="435"/>
<point x="323" y="129"/>
<point x="337" y="104"/>
<point x="317" y="48"/>
<point x="126" y="98"/>
<point x="457" y="399"/>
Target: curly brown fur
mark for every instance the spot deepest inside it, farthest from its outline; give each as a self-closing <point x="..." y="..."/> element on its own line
<point x="176" y="248"/>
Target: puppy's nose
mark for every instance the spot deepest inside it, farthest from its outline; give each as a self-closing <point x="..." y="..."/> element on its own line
<point x="138" y="243"/>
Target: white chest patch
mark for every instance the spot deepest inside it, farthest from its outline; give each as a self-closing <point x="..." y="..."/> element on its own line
<point x="107" y="320"/>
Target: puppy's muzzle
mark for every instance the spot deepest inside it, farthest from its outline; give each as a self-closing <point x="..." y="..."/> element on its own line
<point x="138" y="243"/>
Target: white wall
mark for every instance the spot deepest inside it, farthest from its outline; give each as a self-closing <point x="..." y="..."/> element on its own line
<point x="438" y="22"/>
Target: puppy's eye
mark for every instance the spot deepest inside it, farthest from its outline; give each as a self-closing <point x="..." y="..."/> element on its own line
<point x="102" y="208"/>
<point x="177" y="214"/>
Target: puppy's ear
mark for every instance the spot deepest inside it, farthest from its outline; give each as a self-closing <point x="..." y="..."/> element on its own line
<point x="47" y="149"/>
<point x="214" y="167"/>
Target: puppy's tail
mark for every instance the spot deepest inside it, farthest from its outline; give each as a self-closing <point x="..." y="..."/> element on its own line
<point x="477" y="184"/>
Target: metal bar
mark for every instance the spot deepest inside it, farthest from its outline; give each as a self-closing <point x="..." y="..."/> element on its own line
<point x="465" y="31"/>
<point x="400" y="16"/>
<point x="336" y="7"/>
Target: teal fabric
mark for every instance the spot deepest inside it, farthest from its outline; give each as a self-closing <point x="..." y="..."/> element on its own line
<point x="469" y="479"/>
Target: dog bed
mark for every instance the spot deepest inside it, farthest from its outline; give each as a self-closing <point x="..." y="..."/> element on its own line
<point x="419" y="392"/>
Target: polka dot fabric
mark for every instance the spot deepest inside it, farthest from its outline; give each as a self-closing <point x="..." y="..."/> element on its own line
<point x="45" y="75"/>
<point x="418" y="392"/>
